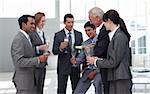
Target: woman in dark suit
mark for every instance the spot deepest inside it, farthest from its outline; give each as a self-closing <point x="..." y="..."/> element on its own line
<point x="39" y="42"/>
<point x="118" y="55"/>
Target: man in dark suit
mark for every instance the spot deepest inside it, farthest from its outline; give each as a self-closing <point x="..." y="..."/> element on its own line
<point x="100" y="49"/>
<point x="64" y="51"/>
<point x="39" y="42"/>
<point x="23" y="56"/>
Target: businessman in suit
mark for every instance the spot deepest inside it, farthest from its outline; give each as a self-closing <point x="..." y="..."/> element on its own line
<point x="23" y="56"/>
<point x="85" y="82"/>
<point x="39" y="42"/>
<point x="64" y="51"/>
<point x="100" y="49"/>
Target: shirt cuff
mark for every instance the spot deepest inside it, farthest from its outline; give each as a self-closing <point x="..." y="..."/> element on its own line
<point x="95" y="62"/>
<point x="96" y="59"/>
<point x="38" y="61"/>
<point x="37" y="50"/>
<point x="60" y="50"/>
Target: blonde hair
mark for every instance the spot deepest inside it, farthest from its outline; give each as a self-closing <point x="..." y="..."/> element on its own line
<point x="38" y="17"/>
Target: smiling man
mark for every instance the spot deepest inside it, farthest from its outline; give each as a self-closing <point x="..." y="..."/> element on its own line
<point x="91" y="74"/>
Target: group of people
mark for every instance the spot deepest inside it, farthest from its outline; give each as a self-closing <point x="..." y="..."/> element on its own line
<point x="104" y="56"/>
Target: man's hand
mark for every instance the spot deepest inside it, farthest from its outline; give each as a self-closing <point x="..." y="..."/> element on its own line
<point x="90" y="60"/>
<point x="43" y="58"/>
<point x="73" y="60"/>
<point x="47" y="53"/>
<point x="63" y="45"/>
<point x="91" y="75"/>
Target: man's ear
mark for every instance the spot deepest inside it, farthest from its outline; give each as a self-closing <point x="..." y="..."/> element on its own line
<point x="109" y="20"/>
<point x="23" y="24"/>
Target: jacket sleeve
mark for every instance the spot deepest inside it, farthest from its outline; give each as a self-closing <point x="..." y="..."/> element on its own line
<point x="100" y="49"/>
<point x="19" y="57"/>
<point x="115" y="53"/>
<point x="56" y="44"/>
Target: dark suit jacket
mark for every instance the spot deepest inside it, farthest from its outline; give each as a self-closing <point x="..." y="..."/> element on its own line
<point x="36" y="41"/>
<point x="24" y="60"/>
<point x="64" y="65"/>
<point x="100" y="49"/>
<point x="118" y="58"/>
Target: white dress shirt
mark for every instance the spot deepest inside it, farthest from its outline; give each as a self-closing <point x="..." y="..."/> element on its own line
<point x="111" y="34"/>
<point x="40" y="33"/>
<point x="98" y="28"/>
<point x="72" y="36"/>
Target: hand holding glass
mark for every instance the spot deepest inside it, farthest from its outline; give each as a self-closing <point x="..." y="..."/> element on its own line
<point x="73" y="54"/>
<point x="47" y="50"/>
<point x="66" y="40"/>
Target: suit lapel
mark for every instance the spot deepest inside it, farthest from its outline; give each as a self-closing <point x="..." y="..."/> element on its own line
<point x="38" y="37"/>
<point x="25" y="40"/>
<point x="44" y="38"/>
<point x="63" y="34"/>
<point x="75" y="36"/>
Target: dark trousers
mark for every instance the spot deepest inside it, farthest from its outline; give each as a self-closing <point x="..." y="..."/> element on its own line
<point x="103" y="72"/>
<point x="26" y="92"/>
<point x="32" y="90"/>
<point x="40" y="80"/>
<point x="63" y="78"/>
<point x="123" y="86"/>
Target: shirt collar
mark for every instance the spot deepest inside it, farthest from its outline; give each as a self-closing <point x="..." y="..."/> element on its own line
<point x="101" y="25"/>
<point x="98" y="28"/>
<point x="38" y="30"/>
<point x="26" y="35"/>
<point x="66" y="31"/>
<point x="94" y="39"/>
<point x="111" y="34"/>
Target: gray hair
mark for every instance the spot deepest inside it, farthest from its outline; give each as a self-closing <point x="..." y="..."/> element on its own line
<point x="95" y="11"/>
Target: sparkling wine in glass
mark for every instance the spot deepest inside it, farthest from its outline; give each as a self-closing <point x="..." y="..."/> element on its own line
<point x="47" y="51"/>
<point x="73" y="54"/>
<point x="66" y="40"/>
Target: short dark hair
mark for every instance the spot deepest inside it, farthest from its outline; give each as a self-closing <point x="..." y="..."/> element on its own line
<point x="68" y="16"/>
<point x="89" y="24"/>
<point x="24" y="19"/>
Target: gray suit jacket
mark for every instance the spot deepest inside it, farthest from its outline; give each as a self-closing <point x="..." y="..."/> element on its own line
<point x="81" y="59"/>
<point x="24" y="62"/>
<point x="118" y="60"/>
<point x="36" y="41"/>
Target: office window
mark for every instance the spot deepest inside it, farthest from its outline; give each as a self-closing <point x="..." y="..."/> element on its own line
<point x="16" y="8"/>
<point x="133" y="46"/>
<point x="142" y="45"/>
<point x="1" y="7"/>
<point x="64" y="7"/>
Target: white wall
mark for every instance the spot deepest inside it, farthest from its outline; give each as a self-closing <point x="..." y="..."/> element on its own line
<point x="8" y="29"/>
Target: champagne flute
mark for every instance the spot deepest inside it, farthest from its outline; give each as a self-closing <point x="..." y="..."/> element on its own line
<point x="66" y="40"/>
<point x="47" y="51"/>
<point x="88" y="51"/>
<point x="73" y="54"/>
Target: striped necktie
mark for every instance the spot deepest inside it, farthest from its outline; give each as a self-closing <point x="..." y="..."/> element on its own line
<point x="70" y="39"/>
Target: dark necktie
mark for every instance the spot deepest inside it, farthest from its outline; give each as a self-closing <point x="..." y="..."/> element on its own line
<point x="70" y="39"/>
